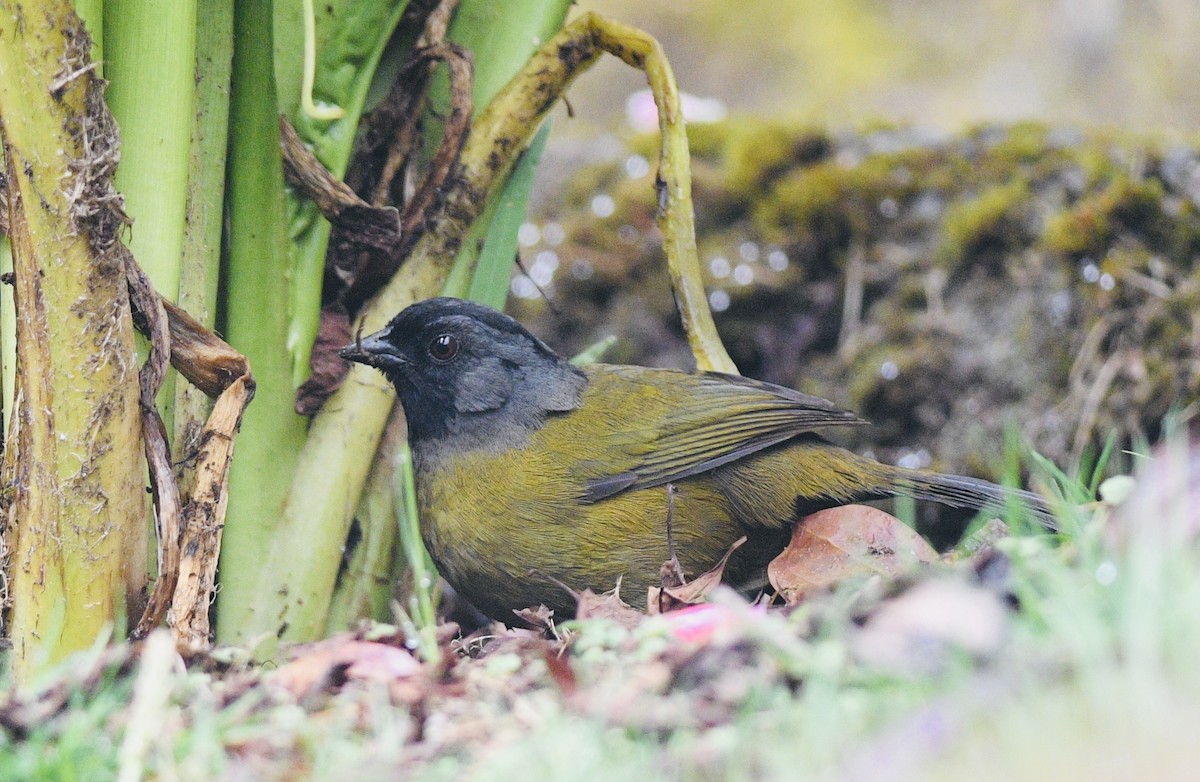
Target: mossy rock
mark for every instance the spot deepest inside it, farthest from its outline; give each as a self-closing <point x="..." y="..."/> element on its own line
<point x="954" y="290"/>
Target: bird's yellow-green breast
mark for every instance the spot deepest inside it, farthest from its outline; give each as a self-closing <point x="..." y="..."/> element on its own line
<point x="498" y="522"/>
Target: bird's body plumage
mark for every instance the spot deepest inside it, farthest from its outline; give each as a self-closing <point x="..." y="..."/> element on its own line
<point x="532" y="474"/>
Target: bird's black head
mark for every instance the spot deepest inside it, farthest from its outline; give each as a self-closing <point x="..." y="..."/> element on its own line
<point x="463" y="368"/>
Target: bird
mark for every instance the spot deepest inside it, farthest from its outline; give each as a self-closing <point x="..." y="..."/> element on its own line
<point x="536" y="479"/>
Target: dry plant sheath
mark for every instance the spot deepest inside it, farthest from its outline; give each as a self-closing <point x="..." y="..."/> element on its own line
<point x="151" y="320"/>
<point x="190" y="533"/>
<point x="399" y="115"/>
<point x="329" y="477"/>
<point x="376" y="228"/>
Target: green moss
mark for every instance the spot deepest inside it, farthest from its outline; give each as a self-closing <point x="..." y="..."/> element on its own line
<point x="1094" y="222"/>
<point x="822" y="207"/>
<point x="914" y="385"/>
<point x="1024" y="142"/>
<point x="706" y="140"/>
<point x="1027" y="202"/>
<point x="984" y="228"/>
<point x="807" y="203"/>
<point x="758" y="152"/>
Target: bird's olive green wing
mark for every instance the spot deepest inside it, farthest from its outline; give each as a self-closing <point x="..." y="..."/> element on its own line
<point x="667" y="425"/>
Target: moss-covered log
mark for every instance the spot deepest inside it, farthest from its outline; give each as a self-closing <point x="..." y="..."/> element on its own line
<point x="946" y="287"/>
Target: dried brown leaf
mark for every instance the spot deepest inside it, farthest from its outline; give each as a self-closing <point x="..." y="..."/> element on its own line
<point x="561" y="671"/>
<point x="372" y="227"/>
<point x="328" y="370"/>
<point x="151" y="319"/>
<point x="607" y="605"/>
<point x="327" y="665"/>
<point x="669" y="597"/>
<point x="537" y="618"/>
<point x="834" y="544"/>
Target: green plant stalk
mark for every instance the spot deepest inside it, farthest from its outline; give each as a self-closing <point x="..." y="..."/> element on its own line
<point x="365" y="587"/>
<point x="424" y="576"/>
<point x="151" y="65"/>
<point x="79" y="541"/>
<point x="92" y="14"/>
<point x="350" y="39"/>
<point x="256" y="304"/>
<point x="458" y="279"/>
<point x="151" y="68"/>
<point x="8" y="336"/>
<point x="200" y="263"/>
<point x="295" y="569"/>
<point x="490" y="282"/>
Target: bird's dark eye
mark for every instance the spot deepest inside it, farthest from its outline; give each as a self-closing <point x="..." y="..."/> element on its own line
<point x="443" y="347"/>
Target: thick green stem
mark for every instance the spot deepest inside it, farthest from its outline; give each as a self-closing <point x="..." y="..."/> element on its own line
<point x="201" y="260"/>
<point x="257" y="298"/>
<point x="365" y="587"/>
<point x="151" y="68"/>
<point x="79" y="514"/>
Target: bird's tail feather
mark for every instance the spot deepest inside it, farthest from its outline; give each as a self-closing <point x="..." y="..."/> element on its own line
<point x="958" y="491"/>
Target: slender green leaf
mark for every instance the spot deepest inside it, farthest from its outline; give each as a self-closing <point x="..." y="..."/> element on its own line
<point x="424" y="576"/>
<point x="493" y="270"/>
<point x="594" y="352"/>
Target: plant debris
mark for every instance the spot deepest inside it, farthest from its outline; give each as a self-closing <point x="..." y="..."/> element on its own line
<point x="832" y="545"/>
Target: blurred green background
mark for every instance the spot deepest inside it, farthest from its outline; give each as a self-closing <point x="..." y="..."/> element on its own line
<point x="943" y="63"/>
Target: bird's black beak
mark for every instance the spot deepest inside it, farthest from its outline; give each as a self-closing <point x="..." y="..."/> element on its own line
<point x="374" y="351"/>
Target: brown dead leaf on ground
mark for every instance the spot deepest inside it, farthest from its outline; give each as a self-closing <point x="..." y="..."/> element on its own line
<point x="330" y="664"/>
<point x="671" y="597"/>
<point x="539" y="618"/>
<point x="837" y="543"/>
<point x="607" y="605"/>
